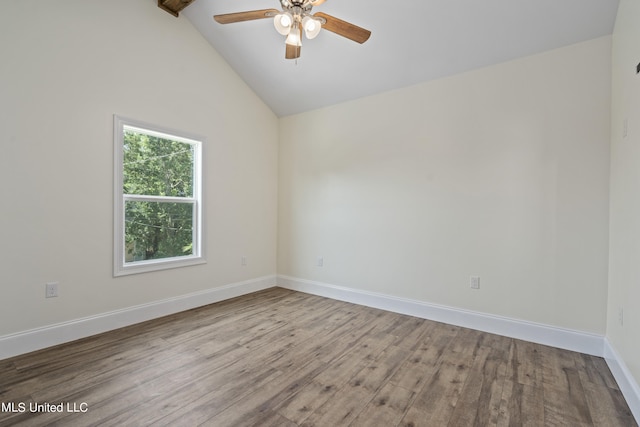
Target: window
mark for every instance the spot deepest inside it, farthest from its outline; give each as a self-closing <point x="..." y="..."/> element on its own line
<point x="157" y="206"/>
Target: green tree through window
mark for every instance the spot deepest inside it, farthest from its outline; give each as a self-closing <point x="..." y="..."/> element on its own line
<point x="159" y="167"/>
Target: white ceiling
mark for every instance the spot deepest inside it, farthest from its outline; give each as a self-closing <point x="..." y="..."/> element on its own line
<point x="411" y="42"/>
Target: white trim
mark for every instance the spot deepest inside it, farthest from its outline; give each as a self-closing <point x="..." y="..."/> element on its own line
<point x="628" y="385"/>
<point x="568" y="339"/>
<point x="47" y="336"/>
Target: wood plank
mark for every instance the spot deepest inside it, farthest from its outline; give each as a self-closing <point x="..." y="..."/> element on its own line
<point x="310" y="397"/>
<point x="343" y="369"/>
<point x="386" y="408"/>
<point x="206" y="395"/>
<point x="566" y="405"/>
<point x="436" y="401"/>
<point x="342" y="408"/>
<point x="252" y="408"/>
<point x="607" y="406"/>
<point x="412" y="373"/>
<point x="525" y="365"/>
<point x="521" y="405"/>
<point x="421" y="365"/>
<point x="595" y="370"/>
<point x="481" y="395"/>
<point x="556" y="364"/>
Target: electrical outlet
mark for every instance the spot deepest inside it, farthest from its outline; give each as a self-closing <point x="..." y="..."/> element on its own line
<point x="474" y="282"/>
<point x="625" y="127"/>
<point x="243" y="261"/>
<point x="320" y="261"/>
<point x="51" y="290"/>
<point x="621" y="316"/>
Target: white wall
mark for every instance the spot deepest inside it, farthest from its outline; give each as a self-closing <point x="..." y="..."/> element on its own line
<point x="65" y="69"/>
<point x="501" y="172"/>
<point x="624" y="267"/>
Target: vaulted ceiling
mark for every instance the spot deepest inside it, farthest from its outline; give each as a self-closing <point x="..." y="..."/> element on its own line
<point x="412" y="42"/>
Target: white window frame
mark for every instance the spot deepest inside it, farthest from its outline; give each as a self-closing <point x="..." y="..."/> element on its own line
<point x="120" y="266"/>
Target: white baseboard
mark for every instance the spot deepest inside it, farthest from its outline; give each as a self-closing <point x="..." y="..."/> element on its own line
<point x="50" y="335"/>
<point x="628" y="385"/>
<point x="529" y="331"/>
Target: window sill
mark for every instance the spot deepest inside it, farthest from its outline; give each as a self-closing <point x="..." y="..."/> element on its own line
<point x="157" y="265"/>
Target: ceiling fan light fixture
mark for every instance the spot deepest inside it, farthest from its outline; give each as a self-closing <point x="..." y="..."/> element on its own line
<point x="283" y="22"/>
<point x="311" y="27"/>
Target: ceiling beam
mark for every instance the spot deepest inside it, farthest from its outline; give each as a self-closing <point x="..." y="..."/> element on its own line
<point x="174" y="6"/>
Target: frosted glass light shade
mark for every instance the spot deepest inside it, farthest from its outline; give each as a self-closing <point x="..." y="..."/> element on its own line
<point x="282" y="22"/>
<point x="294" y="37"/>
<point x="311" y="27"/>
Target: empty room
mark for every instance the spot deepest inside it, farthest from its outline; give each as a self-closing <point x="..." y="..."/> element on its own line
<point x="320" y="213"/>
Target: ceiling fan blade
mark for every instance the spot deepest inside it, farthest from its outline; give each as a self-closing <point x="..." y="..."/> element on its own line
<point x="344" y="28"/>
<point x="229" y="18"/>
<point x="317" y="2"/>
<point x="292" y="51"/>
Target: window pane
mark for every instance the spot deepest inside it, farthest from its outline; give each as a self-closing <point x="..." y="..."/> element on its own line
<point x="155" y="230"/>
<point x="156" y="166"/>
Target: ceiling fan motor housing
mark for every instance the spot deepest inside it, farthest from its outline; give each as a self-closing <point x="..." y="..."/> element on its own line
<point x="302" y="5"/>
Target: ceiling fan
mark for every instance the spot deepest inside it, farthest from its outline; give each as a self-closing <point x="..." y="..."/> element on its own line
<point x="294" y="18"/>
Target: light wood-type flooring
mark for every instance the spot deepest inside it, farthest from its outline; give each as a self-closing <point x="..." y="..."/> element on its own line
<point x="284" y="358"/>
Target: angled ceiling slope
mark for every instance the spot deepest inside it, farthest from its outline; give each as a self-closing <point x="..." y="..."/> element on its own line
<point x="411" y="42"/>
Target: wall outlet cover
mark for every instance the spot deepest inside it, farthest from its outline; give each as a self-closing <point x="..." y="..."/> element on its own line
<point x="51" y="290"/>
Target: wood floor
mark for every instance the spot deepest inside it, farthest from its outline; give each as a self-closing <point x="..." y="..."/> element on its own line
<point x="284" y="358"/>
